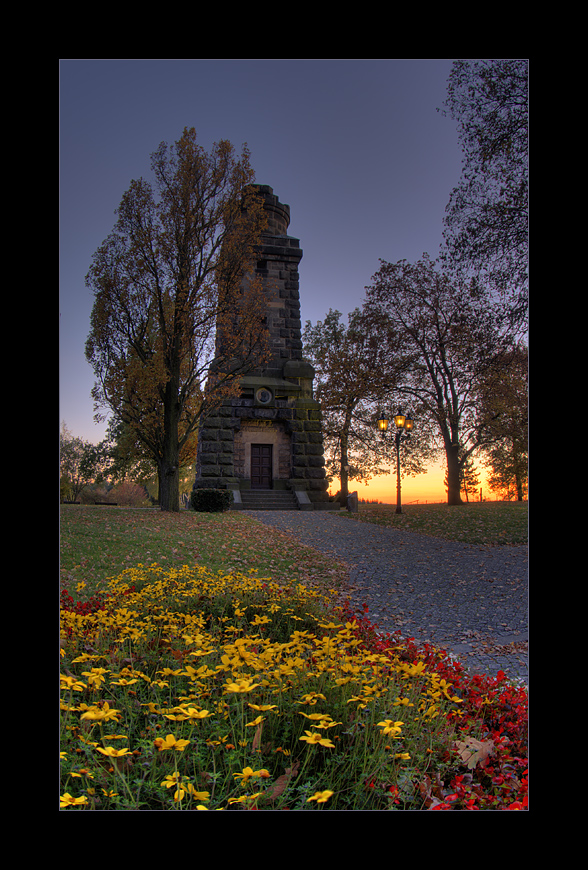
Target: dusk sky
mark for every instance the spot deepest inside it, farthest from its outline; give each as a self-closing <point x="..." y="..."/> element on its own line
<point x="356" y="147"/>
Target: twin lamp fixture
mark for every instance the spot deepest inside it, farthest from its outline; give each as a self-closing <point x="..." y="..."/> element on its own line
<point x="402" y="422"/>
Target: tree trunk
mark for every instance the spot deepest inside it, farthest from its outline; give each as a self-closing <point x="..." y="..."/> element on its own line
<point x="169" y="466"/>
<point x="169" y="487"/>
<point x="518" y="477"/>
<point x="344" y="494"/>
<point x="453" y="484"/>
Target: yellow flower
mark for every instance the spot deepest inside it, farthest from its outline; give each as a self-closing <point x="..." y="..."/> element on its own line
<point x="67" y="800"/>
<point x="171" y="779"/>
<point x="153" y="708"/>
<point x="85" y="771"/>
<point x="248" y="773"/>
<point x="431" y="712"/>
<point x="390" y="727"/>
<point x="317" y="738"/>
<point x="262" y="708"/>
<point x="260" y="620"/>
<point x="321" y="720"/>
<point x="193" y="713"/>
<point x="445" y="688"/>
<point x="199" y="795"/>
<point x="71" y="683"/>
<point x="242" y="685"/>
<point x="170" y="742"/>
<point x="101" y="714"/>
<point x="188" y="713"/>
<point x="95" y="676"/>
<point x="244" y="798"/>
<point x="312" y="698"/>
<point x="415" y="670"/>
<point x="112" y="752"/>
<point x="321" y="797"/>
<point x="362" y="701"/>
<point x="255" y="722"/>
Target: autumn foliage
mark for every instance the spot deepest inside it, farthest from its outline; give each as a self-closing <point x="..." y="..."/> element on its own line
<point x="177" y="272"/>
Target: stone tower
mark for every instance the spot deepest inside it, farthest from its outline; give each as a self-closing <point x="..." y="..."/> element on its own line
<point x="267" y="444"/>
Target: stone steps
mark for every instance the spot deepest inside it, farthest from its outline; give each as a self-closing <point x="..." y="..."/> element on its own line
<point x="268" y="500"/>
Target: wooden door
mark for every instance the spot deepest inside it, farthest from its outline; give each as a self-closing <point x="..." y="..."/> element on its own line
<point x="261" y="466"/>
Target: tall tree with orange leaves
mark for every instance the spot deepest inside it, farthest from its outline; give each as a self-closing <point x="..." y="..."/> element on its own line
<point x="176" y="271"/>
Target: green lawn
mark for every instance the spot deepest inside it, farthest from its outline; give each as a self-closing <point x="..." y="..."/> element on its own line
<point x="97" y="543"/>
<point x="488" y="522"/>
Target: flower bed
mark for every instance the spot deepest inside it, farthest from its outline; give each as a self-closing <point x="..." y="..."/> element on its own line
<point x="185" y="689"/>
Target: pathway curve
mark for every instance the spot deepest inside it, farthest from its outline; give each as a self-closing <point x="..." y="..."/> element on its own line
<point x="467" y="598"/>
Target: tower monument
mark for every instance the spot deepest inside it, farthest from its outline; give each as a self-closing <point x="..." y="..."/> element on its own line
<point x="266" y="445"/>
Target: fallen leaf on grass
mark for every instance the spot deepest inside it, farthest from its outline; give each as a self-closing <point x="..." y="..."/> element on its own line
<point x="431" y="791"/>
<point x="281" y="783"/>
<point x="473" y="752"/>
<point x="257" y="737"/>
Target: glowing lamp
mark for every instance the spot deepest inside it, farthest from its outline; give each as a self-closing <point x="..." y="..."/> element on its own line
<point x="404" y="425"/>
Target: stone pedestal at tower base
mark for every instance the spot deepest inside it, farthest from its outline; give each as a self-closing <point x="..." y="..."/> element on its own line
<point x="291" y="427"/>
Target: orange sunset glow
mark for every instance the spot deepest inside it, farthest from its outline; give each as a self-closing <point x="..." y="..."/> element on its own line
<point x="423" y="489"/>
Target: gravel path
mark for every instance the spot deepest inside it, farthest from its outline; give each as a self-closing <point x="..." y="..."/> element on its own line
<point x="469" y="599"/>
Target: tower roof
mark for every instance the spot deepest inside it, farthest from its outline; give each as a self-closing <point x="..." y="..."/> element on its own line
<point x="278" y="213"/>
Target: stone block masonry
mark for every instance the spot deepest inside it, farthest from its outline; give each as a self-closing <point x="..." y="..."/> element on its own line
<point x="270" y="437"/>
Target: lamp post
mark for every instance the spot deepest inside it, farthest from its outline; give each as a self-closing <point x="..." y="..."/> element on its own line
<point x="403" y="424"/>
